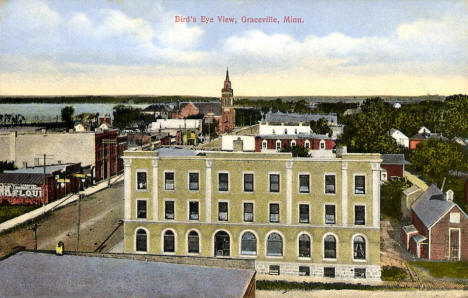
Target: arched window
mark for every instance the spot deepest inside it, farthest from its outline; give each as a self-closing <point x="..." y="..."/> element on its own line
<point x="278" y="145"/>
<point x="359" y="248"/>
<point x="274" y="245"/>
<point x="322" y="145"/>
<point x="169" y="241"/>
<point x="307" y="144"/>
<point x="248" y="244"/>
<point x="141" y="240"/>
<point x="264" y="144"/>
<point x="222" y="244"/>
<point x="329" y="246"/>
<point x="193" y="242"/>
<point x="304" y="246"/>
<point x="293" y="143"/>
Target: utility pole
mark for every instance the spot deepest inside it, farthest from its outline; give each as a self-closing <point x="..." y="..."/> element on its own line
<point x="44" y="190"/>
<point x="34" y="229"/>
<point x="78" y="223"/>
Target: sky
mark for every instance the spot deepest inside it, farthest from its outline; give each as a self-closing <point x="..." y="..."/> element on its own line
<point x="97" y="47"/>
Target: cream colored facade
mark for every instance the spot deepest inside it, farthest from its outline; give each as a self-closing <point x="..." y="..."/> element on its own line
<point x="298" y="243"/>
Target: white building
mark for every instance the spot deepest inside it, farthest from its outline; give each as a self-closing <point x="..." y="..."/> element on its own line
<point x="171" y="126"/>
<point x="399" y="137"/>
<point x="227" y="142"/>
<point x="266" y="128"/>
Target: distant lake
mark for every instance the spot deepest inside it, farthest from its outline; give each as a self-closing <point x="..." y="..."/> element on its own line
<point x="44" y="112"/>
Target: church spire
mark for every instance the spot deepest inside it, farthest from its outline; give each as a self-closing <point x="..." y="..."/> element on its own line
<point x="227" y="73"/>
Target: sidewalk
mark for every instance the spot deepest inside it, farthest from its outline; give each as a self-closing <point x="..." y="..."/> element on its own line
<point x="56" y="204"/>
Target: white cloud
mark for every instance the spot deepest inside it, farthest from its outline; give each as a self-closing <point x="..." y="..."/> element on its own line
<point x="177" y="35"/>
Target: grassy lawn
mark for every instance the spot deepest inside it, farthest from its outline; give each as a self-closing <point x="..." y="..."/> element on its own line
<point x="392" y="273"/>
<point x="458" y="270"/>
<point x="8" y="212"/>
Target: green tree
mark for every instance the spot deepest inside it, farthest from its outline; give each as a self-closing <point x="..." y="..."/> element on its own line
<point x="125" y="116"/>
<point x="321" y="127"/>
<point x="296" y="151"/>
<point x="433" y="159"/>
<point x="67" y="116"/>
<point x="390" y="198"/>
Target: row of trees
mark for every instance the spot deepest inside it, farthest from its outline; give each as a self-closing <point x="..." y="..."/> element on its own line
<point x="12" y="119"/>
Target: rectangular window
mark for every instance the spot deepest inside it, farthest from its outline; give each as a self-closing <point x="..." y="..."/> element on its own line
<point x="329" y="272"/>
<point x="248" y="212"/>
<point x="329" y="183"/>
<point x="169" y="209"/>
<point x="141" y="209"/>
<point x="193" y="212"/>
<point x="359" y="272"/>
<point x="304" y="270"/>
<point x="454" y="217"/>
<point x="274" y="270"/>
<point x="169" y="180"/>
<point x="223" y="182"/>
<point x="274" y="213"/>
<point x="194" y="181"/>
<point x="330" y="214"/>
<point x="248" y="182"/>
<point x="223" y="211"/>
<point x="274" y="182"/>
<point x="360" y="185"/>
<point x="141" y="180"/>
<point x="303" y="183"/>
<point x="359" y="215"/>
<point x="303" y="213"/>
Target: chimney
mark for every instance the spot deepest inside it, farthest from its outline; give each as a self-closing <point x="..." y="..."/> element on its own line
<point x="238" y="145"/>
<point x="449" y="195"/>
<point x="341" y="150"/>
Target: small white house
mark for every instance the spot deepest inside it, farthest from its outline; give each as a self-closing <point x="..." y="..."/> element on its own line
<point x="80" y="128"/>
<point x="399" y="137"/>
<point x="423" y="130"/>
<point x="173" y="125"/>
<point x="227" y="142"/>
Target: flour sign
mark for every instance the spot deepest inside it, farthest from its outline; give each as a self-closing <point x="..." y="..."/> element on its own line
<point x="20" y="190"/>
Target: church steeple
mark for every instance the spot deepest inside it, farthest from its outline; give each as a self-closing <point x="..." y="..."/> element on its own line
<point x="227" y="74"/>
<point x="227" y="105"/>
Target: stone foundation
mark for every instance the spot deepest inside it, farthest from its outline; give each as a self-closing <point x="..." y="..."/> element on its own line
<point x="342" y="272"/>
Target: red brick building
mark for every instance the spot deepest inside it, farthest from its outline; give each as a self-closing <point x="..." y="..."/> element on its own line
<point x="394" y="165"/>
<point x="439" y="229"/>
<point x="30" y="186"/>
<point x="278" y="142"/>
<point x="109" y="148"/>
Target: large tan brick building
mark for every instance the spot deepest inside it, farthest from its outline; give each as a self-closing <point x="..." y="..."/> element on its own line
<point x="293" y="216"/>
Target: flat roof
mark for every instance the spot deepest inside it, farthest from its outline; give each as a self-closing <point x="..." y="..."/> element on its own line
<point x="43" y="274"/>
<point x="39" y="169"/>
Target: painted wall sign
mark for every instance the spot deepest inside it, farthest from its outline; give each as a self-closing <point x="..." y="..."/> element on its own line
<point x="20" y="190"/>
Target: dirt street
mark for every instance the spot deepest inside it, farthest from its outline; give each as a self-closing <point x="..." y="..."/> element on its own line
<point x="100" y="215"/>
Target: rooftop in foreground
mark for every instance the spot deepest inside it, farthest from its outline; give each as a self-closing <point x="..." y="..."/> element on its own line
<point x="43" y="274"/>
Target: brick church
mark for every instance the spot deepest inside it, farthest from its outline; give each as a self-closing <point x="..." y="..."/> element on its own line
<point x="227" y="109"/>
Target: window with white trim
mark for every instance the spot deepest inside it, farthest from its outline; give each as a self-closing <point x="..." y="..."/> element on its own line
<point x="304" y="213"/>
<point x="274" y="182"/>
<point x="307" y="144"/>
<point x="169" y="180"/>
<point x="248" y="244"/>
<point x="193" y="211"/>
<point x="278" y="145"/>
<point x="359" y="184"/>
<point x="274" y="213"/>
<point x="264" y="144"/>
<point x="330" y="214"/>
<point x="274" y="245"/>
<point x="141" y="240"/>
<point x="304" y="183"/>
<point x="222" y="211"/>
<point x="330" y="184"/>
<point x="141" y="208"/>
<point x="193" y="242"/>
<point x="329" y="246"/>
<point x="141" y="181"/>
<point x="169" y="241"/>
<point x="248" y="212"/>
<point x="169" y="210"/>
<point x="223" y="181"/>
<point x="359" y="215"/>
<point x="304" y="246"/>
<point x="248" y="182"/>
<point x="194" y="183"/>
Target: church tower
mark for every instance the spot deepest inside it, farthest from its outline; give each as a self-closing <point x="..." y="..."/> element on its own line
<point x="227" y="108"/>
